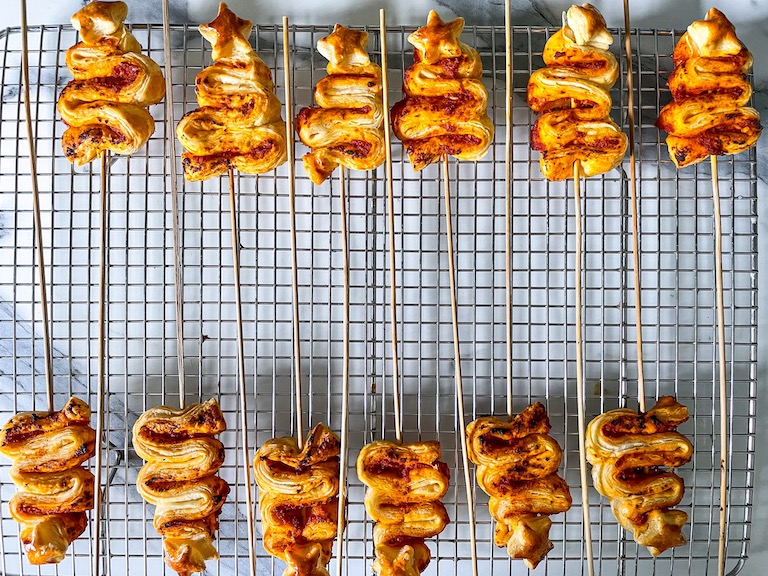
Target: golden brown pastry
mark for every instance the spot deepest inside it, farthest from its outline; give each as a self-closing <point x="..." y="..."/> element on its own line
<point x="239" y="123"/>
<point x="298" y="498"/>
<point x="710" y="90"/>
<point x="444" y="110"/>
<point x="347" y="126"/>
<point x="53" y="492"/>
<point x="632" y="457"/>
<point x="517" y="462"/>
<point x="572" y="94"/>
<point x="180" y="479"/>
<point x="405" y="485"/>
<point x="105" y="106"/>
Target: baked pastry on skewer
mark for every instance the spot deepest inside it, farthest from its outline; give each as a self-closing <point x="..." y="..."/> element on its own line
<point x="633" y="456"/>
<point x="347" y="126"/>
<point x="180" y="479"/>
<point x="53" y="492"/>
<point x="298" y="499"/>
<point x="572" y="94"/>
<point x="405" y="485"/>
<point x="710" y="90"/>
<point x="517" y="462"/>
<point x="105" y="106"/>
<point x="238" y="124"/>
<point x="444" y="110"/>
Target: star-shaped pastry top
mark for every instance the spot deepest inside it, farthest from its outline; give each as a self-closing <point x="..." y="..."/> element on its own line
<point x="227" y="34"/>
<point x="101" y="23"/>
<point x="345" y="48"/>
<point x="96" y="20"/>
<point x="438" y="40"/>
<point x="587" y="27"/>
<point x="715" y="36"/>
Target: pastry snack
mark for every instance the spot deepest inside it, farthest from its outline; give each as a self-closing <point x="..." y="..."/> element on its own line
<point x="298" y="499"/>
<point x="179" y="479"/>
<point x="238" y="124"/>
<point x="633" y="456"/>
<point x="444" y="110"/>
<point x="105" y="106"/>
<point x="517" y="462"/>
<point x="347" y="126"/>
<point x="53" y="491"/>
<point x="405" y="485"/>
<point x="710" y="90"/>
<point x="572" y="94"/>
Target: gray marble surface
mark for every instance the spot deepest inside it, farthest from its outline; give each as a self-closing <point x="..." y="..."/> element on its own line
<point x="749" y="16"/>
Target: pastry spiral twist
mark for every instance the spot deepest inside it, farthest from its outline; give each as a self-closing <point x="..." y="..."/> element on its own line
<point x="444" y="110"/>
<point x="517" y="464"/>
<point x="238" y="124"/>
<point x="348" y="126"/>
<point x="709" y="114"/>
<point x="180" y="479"/>
<point x="572" y="94"/>
<point x="105" y="106"/>
<point x="405" y="484"/>
<point x="298" y="499"/>
<point x="632" y="456"/>
<point x="53" y="492"/>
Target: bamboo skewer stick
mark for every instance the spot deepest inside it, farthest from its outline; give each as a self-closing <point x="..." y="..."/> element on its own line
<point x="722" y="531"/>
<point x="633" y="201"/>
<point x="344" y="377"/>
<point x="292" y="208"/>
<point x="241" y="372"/>
<point x="42" y="285"/>
<point x="457" y="367"/>
<point x="178" y="280"/>
<point x="508" y="199"/>
<point x="391" y="225"/>
<point x="100" y="380"/>
<point x="580" y="375"/>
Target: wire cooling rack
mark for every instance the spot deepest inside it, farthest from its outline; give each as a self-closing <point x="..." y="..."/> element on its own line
<point x="677" y="279"/>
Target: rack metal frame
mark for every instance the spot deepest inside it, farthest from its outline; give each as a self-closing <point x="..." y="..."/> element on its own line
<point x="677" y="292"/>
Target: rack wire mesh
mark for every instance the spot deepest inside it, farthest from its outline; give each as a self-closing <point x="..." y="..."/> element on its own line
<point x="677" y="279"/>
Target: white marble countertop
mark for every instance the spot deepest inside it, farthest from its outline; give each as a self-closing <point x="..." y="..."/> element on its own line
<point x="749" y="16"/>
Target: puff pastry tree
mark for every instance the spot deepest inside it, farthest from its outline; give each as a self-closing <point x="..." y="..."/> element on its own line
<point x="633" y="456"/>
<point x="572" y="94"/>
<point x="710" y="90"/>
<point x="298" y="499"/>
<point x="179" y="478"/>
<point x="53" y="491"/>
<point x="517" y="462"/>
<point x="347" y="126"/>
<point x="405" y="485"/>
<point x="105" y="106"/>
<point x="444" y="110"/>
<point x="238" y="124"/>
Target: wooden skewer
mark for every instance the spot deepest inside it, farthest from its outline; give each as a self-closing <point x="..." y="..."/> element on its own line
<point x="344" y="377"/>
<point x="723" y="534"/>
<point x="508" y="199"/>
<point x="100" y="381"/>
<point x="457" y="367"/>
<point x="48" y="355"/>
<point x="633" y="201"/>
<point x="241" y="372"/>
<point x="292" y="208"/>
<point x="580" y="375"/>
<point x="178" y="281"/>
<point x="391" y="225"/>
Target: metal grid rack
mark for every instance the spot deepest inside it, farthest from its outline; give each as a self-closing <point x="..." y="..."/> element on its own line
<point x="677" y="279"/>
